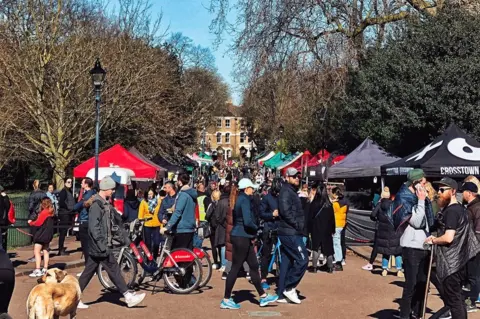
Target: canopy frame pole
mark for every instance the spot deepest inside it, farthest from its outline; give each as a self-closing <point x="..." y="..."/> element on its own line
<point x="382" y="182"/>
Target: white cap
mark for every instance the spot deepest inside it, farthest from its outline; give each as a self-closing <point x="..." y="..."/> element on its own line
<point x="246" y="183"/>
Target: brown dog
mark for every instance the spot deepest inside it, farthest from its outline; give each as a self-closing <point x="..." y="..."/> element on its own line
<point x="57" y="294"/>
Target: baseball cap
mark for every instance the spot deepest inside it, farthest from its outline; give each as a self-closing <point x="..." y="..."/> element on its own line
<point x="107" y="183"/>
<point x="246" y="183"/>
<point x="414" y="175"/>
<point x="447" y="181"/>
<point x="469" y="186"/>
<point x="292" y="171"/>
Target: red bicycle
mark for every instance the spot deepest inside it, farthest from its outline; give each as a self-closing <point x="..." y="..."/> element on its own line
<point x="180" y="269"/>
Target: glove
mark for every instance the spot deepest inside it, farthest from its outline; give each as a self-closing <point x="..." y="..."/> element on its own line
<point x="163" y="230"/>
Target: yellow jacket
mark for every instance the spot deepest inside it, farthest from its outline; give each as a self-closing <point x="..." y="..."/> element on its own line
<point x="340" y="215"/>
<point x="144" y="213"/>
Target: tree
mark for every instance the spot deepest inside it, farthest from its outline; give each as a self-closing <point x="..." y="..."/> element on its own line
<point x="425" y="78"/>
<point x="46" y="51"/>
<point x="189" y="54"/>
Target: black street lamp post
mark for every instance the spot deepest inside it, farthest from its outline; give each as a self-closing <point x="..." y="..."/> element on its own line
<point x="98" y="76"/>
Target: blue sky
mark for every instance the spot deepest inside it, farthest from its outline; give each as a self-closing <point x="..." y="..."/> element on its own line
<point x="191" y="17"/>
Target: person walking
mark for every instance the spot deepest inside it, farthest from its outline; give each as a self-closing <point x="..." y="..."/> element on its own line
<point x="322" y="221"/>
<point x="87" y="193"/>
<point x="388" y="240"/>
<point x="470" y="196"/>
<point x="290" y="232"/>
<point x="457" y="244"/>
<point x="269" y="215"/>
<point x="43" y="236"/>
<point x="66" y="204"/>
<point x="167" y="203"/>
<point x="413" y="218"/>
<point x="340" y="223"/>
<point x="182" y="222"/>
<point x="4" y="218"/>
<point x="220" y="216"/>
<point x="7" y="283"/>
<point x="131" y="207"/>
<point x="212" y="220"/>
<point x="101" y="236"/>
<point x="243" y="233"/>
<point x="149" y="208"/>
<point x="34" y="201"/>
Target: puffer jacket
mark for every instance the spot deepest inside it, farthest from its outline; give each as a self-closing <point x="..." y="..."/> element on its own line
<point x="387" y="239"/>
<point x="473" y="209"/>
<point x="183" y="217"/>
<point x="291" y="216"/>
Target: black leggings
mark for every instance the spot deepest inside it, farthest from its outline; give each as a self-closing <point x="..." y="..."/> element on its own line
<point x="374" y="254"/>
<point x="243" y="250"/>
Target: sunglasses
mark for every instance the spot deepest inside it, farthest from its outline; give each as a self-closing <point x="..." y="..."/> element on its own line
<point x="444" y="189"/>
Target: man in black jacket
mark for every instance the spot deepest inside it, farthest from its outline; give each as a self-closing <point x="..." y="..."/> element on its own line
<point x="290" y="232"/>
<point x="4" y="221"/>
<point x="66" y="203"/>
<point x="100" y="243"/>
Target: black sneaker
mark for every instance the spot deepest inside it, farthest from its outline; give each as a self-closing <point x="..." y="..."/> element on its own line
<point x="338" y="267"/>
<point x="472" y="308"/>
<point x="466" y="288"/>
<point x="446" y="315"/>
<point x="224" y="276"/>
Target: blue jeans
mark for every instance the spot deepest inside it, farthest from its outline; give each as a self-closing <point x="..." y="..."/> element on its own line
<point x="294" y="263"/>
<point x="223" y="261"/>
<point x="398" y="261"/>
<point x="152" y="239"/>
<point x="197" y="241"/>
<point x="337" y="244"/>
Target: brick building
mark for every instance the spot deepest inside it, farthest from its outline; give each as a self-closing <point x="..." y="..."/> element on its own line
<point x="227" y="134"/>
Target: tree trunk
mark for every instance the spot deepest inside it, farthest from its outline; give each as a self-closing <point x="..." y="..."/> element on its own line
<point x="59" y="165"/>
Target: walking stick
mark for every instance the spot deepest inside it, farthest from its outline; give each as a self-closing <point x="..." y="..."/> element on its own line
<point x="432" y="251"/>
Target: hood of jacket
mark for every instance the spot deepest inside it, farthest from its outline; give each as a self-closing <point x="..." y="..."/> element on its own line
<point x="133" y="203"/>
<point x="190" y="191"/>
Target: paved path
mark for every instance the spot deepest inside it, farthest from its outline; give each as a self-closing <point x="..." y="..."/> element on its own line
<point x="354" y="293"/>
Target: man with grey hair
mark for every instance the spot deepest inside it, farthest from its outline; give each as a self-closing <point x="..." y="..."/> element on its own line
<point x="101" y="235"/>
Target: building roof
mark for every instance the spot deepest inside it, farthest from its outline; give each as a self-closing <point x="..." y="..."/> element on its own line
<point x="230" y="110"/>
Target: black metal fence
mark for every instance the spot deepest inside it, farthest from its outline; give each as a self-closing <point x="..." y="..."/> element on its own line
<point x="18" y="237"/>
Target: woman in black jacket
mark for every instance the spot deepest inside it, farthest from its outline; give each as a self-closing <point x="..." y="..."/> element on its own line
<point x="322" y="221"/>
<point x="66" y="202"/>
<point x="130" y="207"/>
<point x="387" y="240"/>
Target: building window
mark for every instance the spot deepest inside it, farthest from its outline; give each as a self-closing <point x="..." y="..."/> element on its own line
<point x="219" y="138"/>
<point x="227" y="138"/>
<point x="242" y="137"/>
<point x="219" y="122"/>
<point x="227" y="123"/>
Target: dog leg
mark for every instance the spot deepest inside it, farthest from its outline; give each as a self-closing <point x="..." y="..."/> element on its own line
<point x="73" y="315"/>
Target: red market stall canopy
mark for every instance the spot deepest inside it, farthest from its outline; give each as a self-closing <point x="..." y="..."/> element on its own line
<point x="118" y="156"/>
<point x="300" y="160"/>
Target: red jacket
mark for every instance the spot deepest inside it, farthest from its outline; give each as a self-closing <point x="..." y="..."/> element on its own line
<point x="44" y="214"/>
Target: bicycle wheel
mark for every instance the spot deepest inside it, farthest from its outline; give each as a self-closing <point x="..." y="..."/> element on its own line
<point x="128" y="270"/>
<point x="187" y="277"/>
<point x="207" y="269"/>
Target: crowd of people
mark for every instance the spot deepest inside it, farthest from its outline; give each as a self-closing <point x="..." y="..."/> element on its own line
<point x="243" y="212"/>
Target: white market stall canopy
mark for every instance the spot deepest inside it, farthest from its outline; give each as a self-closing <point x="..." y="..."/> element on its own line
<point x="122" y="176"/>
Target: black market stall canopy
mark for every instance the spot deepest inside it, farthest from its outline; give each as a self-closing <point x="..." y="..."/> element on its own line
<point x="365" y="161"/>
<point x="137" y="153"/>
<point x="453" y="154"/>
<point x="159" y="160"/>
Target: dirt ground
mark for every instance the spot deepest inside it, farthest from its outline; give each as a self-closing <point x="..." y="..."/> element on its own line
<point x="353" y="293"/>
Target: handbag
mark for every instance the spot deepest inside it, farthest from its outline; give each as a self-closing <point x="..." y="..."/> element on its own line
<point x="204" y="230"/>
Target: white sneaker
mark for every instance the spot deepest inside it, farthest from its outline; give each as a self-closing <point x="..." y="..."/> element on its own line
<point x="344" y="262"/>
<point x="292" y="296"/>
<point x="133" y="299"/>
<point x="44" y="271"/>
<point x="215" y="266"/>
<point x="222" y="269"/>
<point x="81" y="305"/>
<point x="79" y="274"/>
<point x="36" y="273"/>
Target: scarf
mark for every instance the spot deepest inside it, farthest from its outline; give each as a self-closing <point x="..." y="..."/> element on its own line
<point x="152" y="204"/>
<point x="401" y="210"/>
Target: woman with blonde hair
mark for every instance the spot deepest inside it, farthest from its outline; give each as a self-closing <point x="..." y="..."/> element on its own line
<point x="432" y="195"/>
<point x="214" y="221"/>
<point x="472" y="179"/>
